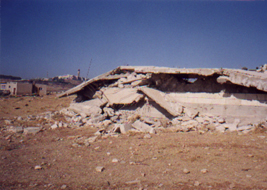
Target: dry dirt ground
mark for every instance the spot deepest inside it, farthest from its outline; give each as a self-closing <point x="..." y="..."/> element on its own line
<point x="232" y="161"/>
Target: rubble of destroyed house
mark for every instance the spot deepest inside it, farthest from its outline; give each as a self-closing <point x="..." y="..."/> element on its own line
<point x="151" y="99"/>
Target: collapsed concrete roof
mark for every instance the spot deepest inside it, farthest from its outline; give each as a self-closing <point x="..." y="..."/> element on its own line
<point x="159" y="94"/>
<point x="244" y="78"/>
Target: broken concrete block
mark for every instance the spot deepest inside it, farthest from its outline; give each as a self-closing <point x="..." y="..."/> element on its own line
<point x="106" y="123"/>
<point x="91" y="139"/>
<point x="121" y="95"/>
<point x="97" y="119"/>
<point x="67" y="112"/>
<point x="199" y="119"/>
<point x="124" y="128"/>
<point x="8" y="122"/>
<point x="152" y="131"/>
<point x="140" y="126"/>
<point x="147" y="136"/>
<point x="246" y="127"/>
<point x="147" y="120"/>
<point x="220" y="128"/>
<point x="109" y="111"/>
<point x="221" y="120"/>
<point x="115" y="160"/>
<point x="54" y="126"/>
<point x="13" y="129"/>
<point x="114" y="119"/>
<point x="88" y="107"/>
<point x="186" y="171"/>
<point x="192" y="123"/>
<point x="231" y="127"/>
<point x="159" y="99"/>
<point x="191" y="113"/>
<point x="116" y="128"/>
<point x="38" y="167"/>
<point x="99" y="168"/>
<point x="32" y="130"/>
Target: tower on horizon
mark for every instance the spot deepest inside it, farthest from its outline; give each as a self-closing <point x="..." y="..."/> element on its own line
<point x="78" y="73"/>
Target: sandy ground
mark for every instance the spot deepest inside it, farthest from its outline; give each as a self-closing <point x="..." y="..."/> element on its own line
<point x="232" y="161"/>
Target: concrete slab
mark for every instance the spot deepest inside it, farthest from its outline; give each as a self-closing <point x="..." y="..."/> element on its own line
<point x="121" y="95"/>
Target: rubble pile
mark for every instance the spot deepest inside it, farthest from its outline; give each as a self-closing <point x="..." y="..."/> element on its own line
<point x="142" y="99"/>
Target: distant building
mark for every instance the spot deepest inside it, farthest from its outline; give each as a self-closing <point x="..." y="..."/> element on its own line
<point x="3" y="86"/>
<point x="40" y="89"/>
<point x="20" y="88"/>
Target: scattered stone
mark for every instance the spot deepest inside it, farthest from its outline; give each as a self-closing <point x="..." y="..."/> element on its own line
<point x="232" y="185"/>
<point x="54" y="126"/>
<point x="250" y="155"/>
<point x="199" y="119"/>
<point x="261" y="137"/>
<point x="197" y="183"/>
<point x="60" y="124"/>
<point x="133" y="182"/>
<point x="32" y="130"/>
<point x="115" y="160"/>
<point x="75" y="145"/>
<point x="38" y="167"/>
<point x="160" y="185"/>
<point x="63" y="187"/>
<point x="8" y="122"/>
<point x="108" y="153"/>
<point x="99" y="168"/>
<point x="221" y="120"/>
<point x="186" y="171"/>
<point x="220" y="128"/>
<point x="91" y="139"/>
<point x="13" y="129"/>
<point x="204" y="171"/>
<point x="147" y="136"/>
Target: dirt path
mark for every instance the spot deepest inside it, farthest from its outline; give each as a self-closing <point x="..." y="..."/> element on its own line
<point x="232" y="160"/>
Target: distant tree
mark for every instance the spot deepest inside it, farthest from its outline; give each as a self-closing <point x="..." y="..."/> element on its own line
<point x="244" y="68"/>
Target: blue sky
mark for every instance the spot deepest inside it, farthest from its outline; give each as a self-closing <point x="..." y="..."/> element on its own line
<point x="62" y="36"/>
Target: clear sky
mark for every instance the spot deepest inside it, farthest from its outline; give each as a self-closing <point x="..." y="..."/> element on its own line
<point x="62" y="36"/>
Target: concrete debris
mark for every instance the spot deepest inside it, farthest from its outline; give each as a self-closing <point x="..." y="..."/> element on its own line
<point x="186" y="171"/>
<point x="115" y="160"/>
<point x="147" y="99"/>
<point x="133" y="182"/>
<point x="204" y="171"/>
<point x="99" y="168"/>
<point x="88" y="107"/>
<point x="38" y="167"/>
<point x="92" y="139"/>
<point x="160" y="100"/>
<point x="147" y="136"/>
<point x="124" y="128"/>
<point x="121" y="96"/>
<point x="32" y="130"/>
<point x="13" y="129"/>
<point x="141" y="126"/>
<point x="54" y="126"/>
